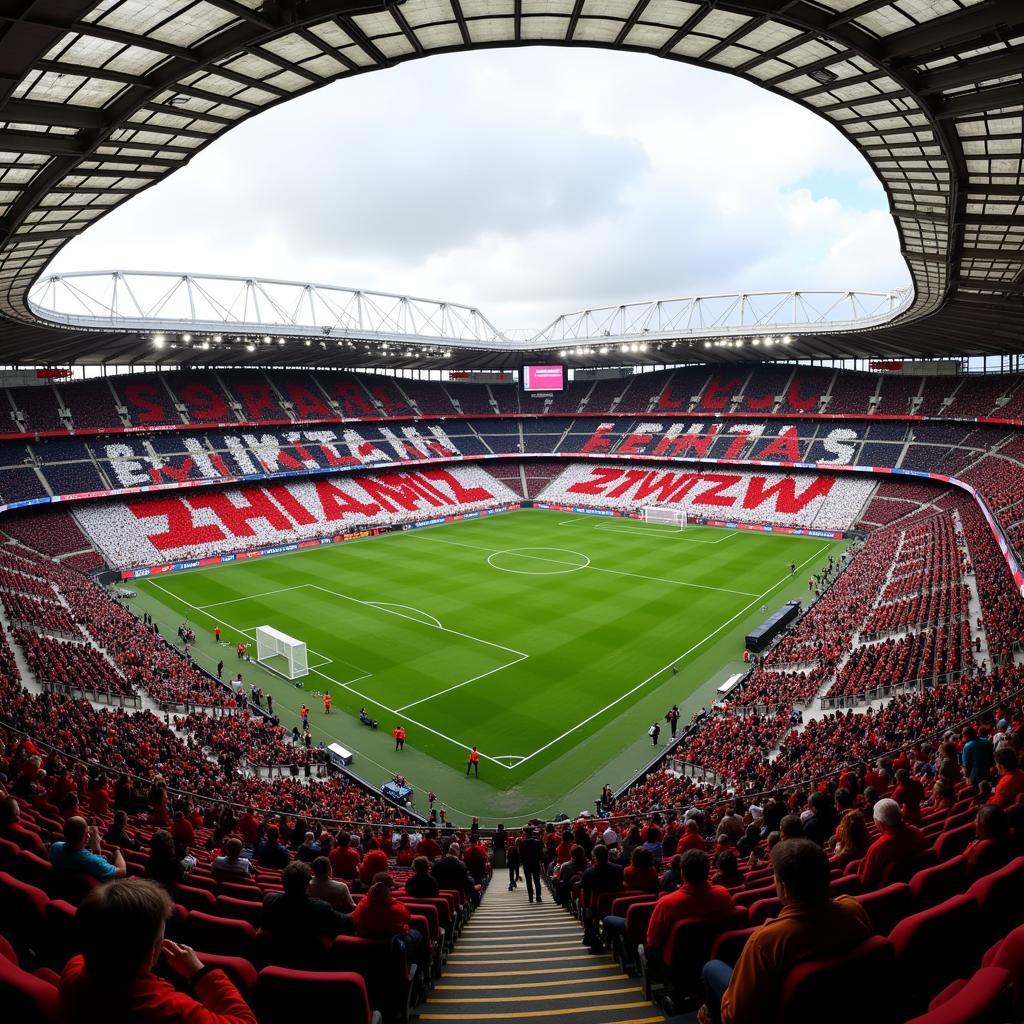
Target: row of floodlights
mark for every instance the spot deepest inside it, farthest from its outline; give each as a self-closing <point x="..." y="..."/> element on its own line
<point x="206" y="342"/>
<point x="767" y="341"/>
<point x="589" y="350"/>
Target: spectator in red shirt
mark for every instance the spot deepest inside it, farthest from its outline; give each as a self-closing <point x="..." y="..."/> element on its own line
<point x="380" y="916"/>
<point x="344" y="859"/>
<point x="122" y="930"/>
<point x="248" y="828"/>
<point x="696" y="897"/>
<point x="1010" y="786"/>
<point x="182" y="830"/>
<point x="899" y="843"/>
<point x="691" y="838"/>
<point x="909" y="794"/>
<point x="428" y="847"/>
<point x="374" y="863"/>
<point x="642" y="873"/>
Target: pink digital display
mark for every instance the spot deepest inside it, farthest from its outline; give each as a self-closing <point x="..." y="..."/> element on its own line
<point x="543" y="378"/>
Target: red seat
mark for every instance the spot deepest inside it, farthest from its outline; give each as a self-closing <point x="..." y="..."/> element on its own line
<point x="728" y="946"/>
<point x="887" y="906"/>
<point x="689" y="946"/>
<point x="34" y="870"/>
<point x="751" y="896"/>
<point x="240" y="910"/>
<point x="814" y="984"/>
<point x="953" y="841"/>
<point x="60" y="939"/>
<point x="26" y="998"/>
<point x="763" y="909"/>
<point x="72" y="886"/>
<point x="219" y="934"/>
<point x="193" y="898"/>
<point x="935" y="884"/>
<point x="903" y="872"/>
<point x="932" y="947"/>
<point x="638" y="917"/>
<point x="22" y="907"/>
<point x="328" y="995"/>
<point x="240" y="890"/>
<point x="8" y="851"/>
<point x="845" y="885"/>
<point x="1000" y="897"/>
<point x="984" y="999"/>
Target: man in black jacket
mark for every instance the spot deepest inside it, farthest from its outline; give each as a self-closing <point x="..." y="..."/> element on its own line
<point x="301" y="929"/>
<point x="531" y="852"/>
<point x="451" y="873"/>
<point x="602" y="876"/>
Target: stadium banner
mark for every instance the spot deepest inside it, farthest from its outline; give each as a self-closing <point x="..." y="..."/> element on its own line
<point x="279" y="549"/>
<point x="583" y="510"/>
<point x="460" y="517"/>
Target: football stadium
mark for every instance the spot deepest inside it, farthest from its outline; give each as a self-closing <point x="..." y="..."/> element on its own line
<point x="385" y="660"/>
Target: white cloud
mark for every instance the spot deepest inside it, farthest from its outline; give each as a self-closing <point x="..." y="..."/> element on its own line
<point x="526" y="182"/>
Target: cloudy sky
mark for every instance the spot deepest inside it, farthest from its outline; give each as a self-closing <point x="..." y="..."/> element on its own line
<point x="526" y="182"/>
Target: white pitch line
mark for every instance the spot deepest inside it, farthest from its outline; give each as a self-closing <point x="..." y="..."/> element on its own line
<point x="349" y="686"/>
<point x="250" y="597"/>
<point x="678" y="658"/>
<point x="671" y="534"/>
<point x="384" y="605"/>
<point x="596" y="568"/>
<point x="420" y="622"/>
<point x="465" y="682"/>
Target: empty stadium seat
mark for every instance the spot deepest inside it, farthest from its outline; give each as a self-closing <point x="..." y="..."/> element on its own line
<point x="22" y="907"/>
<point x="887" y="906"/>
<point x="837" y="988"/>
<point x="933" y="885"/>
<point x="219" y="934"/>
<point x="282" y="993"/>
<point x="933" y="946"/>
<point x="984" y="999"/>
<point x="25" y="998"/>
<point x="1000" y="897"/>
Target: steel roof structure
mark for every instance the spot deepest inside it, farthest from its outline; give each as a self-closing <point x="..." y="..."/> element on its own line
<point x="100" y="99"/>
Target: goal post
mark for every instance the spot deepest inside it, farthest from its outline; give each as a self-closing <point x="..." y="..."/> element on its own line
<point x="665" y="516"/>
<point x="272" y="644"/>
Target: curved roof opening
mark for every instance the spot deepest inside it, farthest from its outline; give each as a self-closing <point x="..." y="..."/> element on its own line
<point x="525" y="182"/>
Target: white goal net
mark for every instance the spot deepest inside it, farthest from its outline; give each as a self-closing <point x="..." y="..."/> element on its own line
<point x="665" y="516"/>
<point x="281" y="653"/>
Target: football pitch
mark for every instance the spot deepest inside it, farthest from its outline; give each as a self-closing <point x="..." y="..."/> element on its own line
<point x="549" y="640"/>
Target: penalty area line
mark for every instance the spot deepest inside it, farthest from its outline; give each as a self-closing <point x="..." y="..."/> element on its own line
<point x="346" y="686"/>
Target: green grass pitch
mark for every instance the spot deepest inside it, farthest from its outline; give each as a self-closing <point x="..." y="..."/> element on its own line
<point x="545" y="638"/>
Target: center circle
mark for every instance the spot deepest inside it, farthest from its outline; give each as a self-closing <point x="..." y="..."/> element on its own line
<point x="538" y="561"/>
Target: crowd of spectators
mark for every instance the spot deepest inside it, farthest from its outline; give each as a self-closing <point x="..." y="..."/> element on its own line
<point x="53" y="532"/>
<point x="33" y="613"/>
<point x="916" y="658"/>
<point x="71" y="663"/>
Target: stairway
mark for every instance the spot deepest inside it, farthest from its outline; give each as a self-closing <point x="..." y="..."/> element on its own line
<point x="518" y="961"/>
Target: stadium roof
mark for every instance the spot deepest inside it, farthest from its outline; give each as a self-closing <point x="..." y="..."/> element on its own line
<point x="102" y="98"/>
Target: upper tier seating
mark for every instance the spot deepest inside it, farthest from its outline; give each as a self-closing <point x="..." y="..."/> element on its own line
<point x="207" y="396"/>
